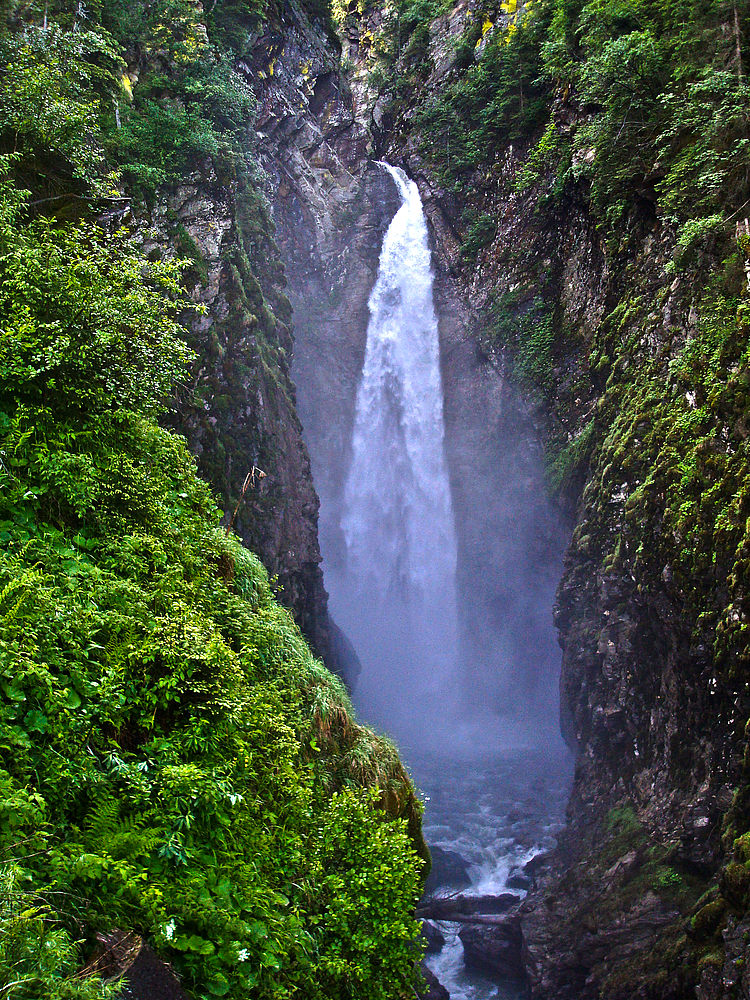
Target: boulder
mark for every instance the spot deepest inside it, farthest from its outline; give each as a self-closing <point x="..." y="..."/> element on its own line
<point x="537" y="864"/>
<point x="433" y="989"/>
<point x="125" y="957"/>
<point x="150" y="978"/>
<point x="519" y="881"/>
<point x="496" y="948"/>
<point x="433" y="936"/>
<point x="449" y="870"/>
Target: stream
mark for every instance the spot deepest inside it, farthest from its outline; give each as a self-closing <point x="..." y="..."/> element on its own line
<point x="498" y="811"/>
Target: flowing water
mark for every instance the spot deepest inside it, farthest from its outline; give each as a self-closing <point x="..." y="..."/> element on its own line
<point x="497" y="810"/>
<point x="397" y="600"/>
<point x="493" y="796"/>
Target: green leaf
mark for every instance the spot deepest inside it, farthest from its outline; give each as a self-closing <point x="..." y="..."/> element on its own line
<point x="72" y="699"/>
<point x="199" y="945"/>
<point x="36" y="722"/>
<point x="11" y="691"/>
<point x="219" y="985"/>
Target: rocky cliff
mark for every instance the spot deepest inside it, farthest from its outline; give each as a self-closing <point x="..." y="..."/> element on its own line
<point x="238" y="411"/>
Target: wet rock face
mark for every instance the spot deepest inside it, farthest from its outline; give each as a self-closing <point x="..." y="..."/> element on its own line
<point x="331" y="206"/>
<point x="325" y="204"/>
<point x="238" y="409"/>
<point x="238" y="412"/>
<point x="728" y="975"/>
<point x="432" y="990"/>
<point x="449" y="870"/>
<point x="433" y="937"/>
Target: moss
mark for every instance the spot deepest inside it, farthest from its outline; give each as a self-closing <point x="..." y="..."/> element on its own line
<point x="568" y="464"/>
<point x="735" y="883"/>
<point x="741" y="848"/>
<point x="707" y="920"/>
<point x="622" y="820"/>
<point x="187" y="248"/>
<point x="713" y="959"/>
<point x="523" y="326"/>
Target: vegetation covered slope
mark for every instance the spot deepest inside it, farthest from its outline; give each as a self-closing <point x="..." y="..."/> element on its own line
<point x="174" y="761"/>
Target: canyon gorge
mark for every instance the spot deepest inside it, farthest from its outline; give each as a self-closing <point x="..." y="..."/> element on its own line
<point x="464" y="289"/>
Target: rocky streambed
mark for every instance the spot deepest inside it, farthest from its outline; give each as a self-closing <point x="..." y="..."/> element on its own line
<point x="489" y="819"/>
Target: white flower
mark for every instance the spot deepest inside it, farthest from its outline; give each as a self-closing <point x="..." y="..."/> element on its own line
<point x="169" y="929"/>
<point x="243" y="955"/>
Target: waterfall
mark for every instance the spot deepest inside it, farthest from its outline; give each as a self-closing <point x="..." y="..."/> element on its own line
<point x="400" y="592"/>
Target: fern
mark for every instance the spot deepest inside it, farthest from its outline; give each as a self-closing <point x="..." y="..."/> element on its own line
<point x="102" y="820"/>
<point x="121" y="837"/>
<point x="7" y="594"/>
<point x="118" y="645"/>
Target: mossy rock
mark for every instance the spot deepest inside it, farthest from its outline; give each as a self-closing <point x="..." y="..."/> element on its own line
<point x="713" y="959"/>
<point x="741" y="848"/>
<point x="735" y="883"/>
<point x="708" y="919"/>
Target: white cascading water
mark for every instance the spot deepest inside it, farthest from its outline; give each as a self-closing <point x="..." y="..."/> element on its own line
<point x="400" y="603"/>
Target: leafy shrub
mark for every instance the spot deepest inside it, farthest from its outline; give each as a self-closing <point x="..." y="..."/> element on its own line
<point x="479" y="234"/>
<point x="176" y="123"/>
<point x="496" y="98"/>
<point x="51" y="98"/>
<point x="87" y="324"/>
<point x="550" y="153"/>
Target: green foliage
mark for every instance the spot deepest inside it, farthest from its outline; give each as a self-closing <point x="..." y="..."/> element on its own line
<point x="663" y="121"/>
<point x="498" y="97"/>
<point x="667" y="102"/>
<point x="705" y="141"/>
<point x="174" y="759"/>
<point x="232" y="21"/>
<point x="479" y="234"/>
<point x="566" y="464"/>
<point x="550" y="153"/>
<point x="176" y="122"/>
<point x="169" y="760"/>
<point x="51" y="100"/>
<point x="624" y="78"/>
<point x="526" y="330"/>
<point x="87" y="324"/>
<point x="693" y="236"/>
<point x="38" y="958"/>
